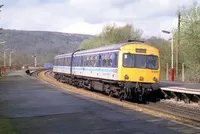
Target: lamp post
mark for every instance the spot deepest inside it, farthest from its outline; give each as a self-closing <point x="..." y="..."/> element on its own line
<point x="5" y="57"/>
<point x="172" y="54"/>
<point x="11" y="58"/>
<point x="34" y="55"/>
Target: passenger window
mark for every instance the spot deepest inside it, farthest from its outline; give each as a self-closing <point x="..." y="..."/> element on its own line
<point x="65" y="61"/>
<point x="81" y="61"/>
<point x="78" y="61"/>
<point x="59" y="62"/>
<point x="104" y="61"/>
<point x="69" y="61"/>
<point x="95" y="61"/>
<point x="91" y="61"/>
<point x="54" y="62"/>
<point x="84" y="60"/>
<point x="88" y="61"/>
<point x="100" y="61"/>
<point x="110" y="61"/>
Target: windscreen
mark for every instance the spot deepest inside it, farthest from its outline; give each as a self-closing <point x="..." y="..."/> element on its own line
<point x="140" y="61"/>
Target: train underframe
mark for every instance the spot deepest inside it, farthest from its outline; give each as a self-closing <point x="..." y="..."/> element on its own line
<point x="142" y="92"/>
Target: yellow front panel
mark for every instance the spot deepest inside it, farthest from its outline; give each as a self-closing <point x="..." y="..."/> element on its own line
<point x="138" y="74"/>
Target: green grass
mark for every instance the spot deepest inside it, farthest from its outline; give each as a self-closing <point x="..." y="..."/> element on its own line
<point x="7" y="126"/>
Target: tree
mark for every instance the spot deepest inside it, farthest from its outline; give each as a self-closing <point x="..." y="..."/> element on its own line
<point x="190" y="40"/>
<point x="111" y="34"/>
<point x="164" y="49"/>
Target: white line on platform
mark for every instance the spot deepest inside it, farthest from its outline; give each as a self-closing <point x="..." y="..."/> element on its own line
<point x="182" y="90"/>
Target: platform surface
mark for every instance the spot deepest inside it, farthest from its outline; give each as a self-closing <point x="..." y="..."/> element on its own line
<point x="39" y="108"/>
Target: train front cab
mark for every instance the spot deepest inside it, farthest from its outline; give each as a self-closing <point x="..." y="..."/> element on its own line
<point x="139" y="63"/>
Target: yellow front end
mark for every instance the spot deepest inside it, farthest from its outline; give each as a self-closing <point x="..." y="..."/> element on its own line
<point x="134" y="72"/>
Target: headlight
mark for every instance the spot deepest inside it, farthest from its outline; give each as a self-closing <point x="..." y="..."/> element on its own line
<point x="126" y="77"/>
<point x="141" y="78"/>
<point x="155" y="79"/>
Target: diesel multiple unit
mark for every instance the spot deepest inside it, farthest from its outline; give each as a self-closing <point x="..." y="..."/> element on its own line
<point x="126" y="70"/>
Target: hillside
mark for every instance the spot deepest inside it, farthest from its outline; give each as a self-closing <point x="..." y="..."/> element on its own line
<point x="45" y="44"/>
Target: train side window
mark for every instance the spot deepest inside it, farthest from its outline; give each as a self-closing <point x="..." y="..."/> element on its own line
<point x="92" y="61"/>
<point x="104" y="61"/>
<point x="100" y="60"/>
<point x="81" y="61"/>
<point x="59" y="62"/>
<point x="62" y="62"/>
<point x="65" y="62"/>
<point x="77" y="61"/>
<point x="89" y="61"/>
<point x="73" y="61"/>
<point x="95" y="61"/>
<point x="116" y="60"/>
<point x="54" y="62"/>
<point x="86" y="61"/>
<point x="69" y="61"/>
<point x="109" y="60"/>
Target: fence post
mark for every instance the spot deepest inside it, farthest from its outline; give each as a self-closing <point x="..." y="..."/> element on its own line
<point x="183" y="72"/>
<point x="4" y="69"/>
<point x="167" y="71"/>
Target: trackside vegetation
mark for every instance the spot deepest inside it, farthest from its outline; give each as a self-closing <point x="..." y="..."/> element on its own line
<point x="189" y="46"/>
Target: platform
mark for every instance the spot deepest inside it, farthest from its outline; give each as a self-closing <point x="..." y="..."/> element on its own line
<point x="39" y="108"/>
<point x="181" y="87"/>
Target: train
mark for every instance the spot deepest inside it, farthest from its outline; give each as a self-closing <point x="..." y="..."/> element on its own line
<point x="129" y="70"/>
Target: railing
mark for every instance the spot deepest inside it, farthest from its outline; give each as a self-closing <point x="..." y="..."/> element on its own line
<point x="177" y="78"/>
<point x="5" y="70"/>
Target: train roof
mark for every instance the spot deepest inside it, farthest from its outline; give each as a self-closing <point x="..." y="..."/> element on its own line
<point x="103" y="48"/>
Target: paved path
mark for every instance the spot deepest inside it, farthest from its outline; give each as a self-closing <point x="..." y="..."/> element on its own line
<point x="38" y="108"/>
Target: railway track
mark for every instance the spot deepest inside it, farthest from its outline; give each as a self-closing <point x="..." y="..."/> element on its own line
<point x="189" y="116"/>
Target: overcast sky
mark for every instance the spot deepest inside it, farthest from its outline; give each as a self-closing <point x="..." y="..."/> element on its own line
<point x="89" y="16"/>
